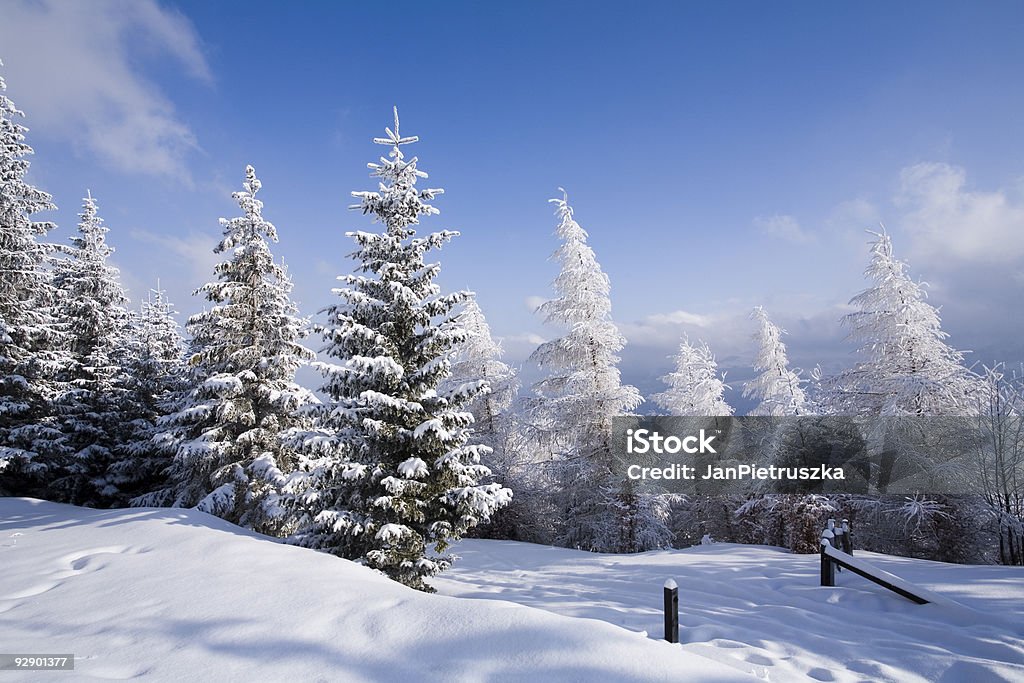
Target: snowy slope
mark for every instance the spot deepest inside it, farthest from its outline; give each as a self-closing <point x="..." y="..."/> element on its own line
<point x="762" y="609"/>
<point x="178" y="595"/>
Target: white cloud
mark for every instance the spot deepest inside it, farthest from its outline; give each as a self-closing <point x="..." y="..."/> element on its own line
<point x="73" y="68"/>
<point x="525" y="338"/>
<point x="680" y="318"/>
<point x="194" y="251"/>
<point x="947" y="220"/>
<point x="535" y="302"/>
<point x="518" y="347"/>
<point x="782" y="227"/>
<point x="665" y="329"/>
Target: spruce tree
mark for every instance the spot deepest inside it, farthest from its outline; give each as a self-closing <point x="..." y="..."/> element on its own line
<point x="155" y="380"/>
<point x="29" y="341"/>
<point x="92" y="308"/>
<point x="776" y="388"/>
<point x="229" y="459"/>
<point x="392" y="472"/>
<point x="695" y="388"/>
<point x="573" y="406"/>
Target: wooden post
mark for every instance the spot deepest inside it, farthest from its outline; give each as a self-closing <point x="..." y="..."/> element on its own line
<point x="671" y="611"/>
<point x="828" y="573"/>
<point x="837" y="540"/>
<point x="847" y="538"/>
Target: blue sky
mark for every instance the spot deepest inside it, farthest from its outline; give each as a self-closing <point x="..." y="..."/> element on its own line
<point x="721" y="155"/>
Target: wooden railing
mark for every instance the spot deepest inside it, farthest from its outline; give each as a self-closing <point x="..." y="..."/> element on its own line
<point x="833" y="557"/>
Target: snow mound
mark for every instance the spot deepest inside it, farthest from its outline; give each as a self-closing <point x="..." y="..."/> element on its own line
<point x="178" y="595"/>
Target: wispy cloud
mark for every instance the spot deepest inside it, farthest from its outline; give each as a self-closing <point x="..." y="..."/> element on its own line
<point x="946" y="219"/>
<point x="665" y="329"/>
<point x="535" y="302"/>
<point x="783" y="227"/>
<point x="74" y="68"/>
<point x="518" y="347"/>
<point x="194" y="252"/>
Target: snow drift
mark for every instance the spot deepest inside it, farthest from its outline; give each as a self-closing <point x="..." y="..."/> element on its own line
<point x="179" y="595"/>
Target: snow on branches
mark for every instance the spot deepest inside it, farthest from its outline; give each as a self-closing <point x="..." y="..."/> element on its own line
<point x="389" y="470"/>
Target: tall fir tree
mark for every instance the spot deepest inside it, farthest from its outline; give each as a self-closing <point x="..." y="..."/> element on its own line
<point x="695" y="388"/>
<point x="92" y="308"/>
<point x="156" y="379"/>
<point x="30" y="353"/>
<point x="776" y="388"/>
<point x="229" y="458"/>
<point x="392" y="470"/>
<point x="906" y="366"/>
<point x="574" y="404"/>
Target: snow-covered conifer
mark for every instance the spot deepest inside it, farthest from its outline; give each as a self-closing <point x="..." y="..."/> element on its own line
<point x="695" y="388"/>
<point x="574" y="404"/>
<point x="155" y="380"/>
<point x="92" y="308"/>
<point x="392" y="470"/>
<point x="495" y="424"/>
<point x="777" y="388"/>
<point x="477" y="359"/>
<point x="29" y="341"/>
<point x="229" y="458"/>
<point x="907" y="368"/>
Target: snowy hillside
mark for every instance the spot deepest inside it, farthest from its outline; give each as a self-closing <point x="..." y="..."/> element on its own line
<point x="178" y="595"/>
<point x="761" y="609"/>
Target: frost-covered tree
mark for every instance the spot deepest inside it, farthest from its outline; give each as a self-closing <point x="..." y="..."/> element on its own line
<point x="907" y="368"/>
<point x="695" y="387"/>
<point x="229" y="458"/>
<point x="777" y="388"/>
<point x="391" y="469"/>
<point x="155" y="380"/>
<point x="92" y="308"/>
<point x="29" y="342"/>
<point x="999" y="468"/>
<point x="478" y="359"/>
<point x="575" y="402"/>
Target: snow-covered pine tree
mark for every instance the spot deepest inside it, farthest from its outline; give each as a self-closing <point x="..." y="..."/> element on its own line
<point x="156" y="380"/>
<point x="392" y="469"/>
<point x="92" y="308"/>
<point x="907" y="368"/>
<point x="695" y="388"/>
<point x="29" y="342"/>
<point x="229" y="458"/>
<point x="777" y="388"/>
<point x="574" y="404"/>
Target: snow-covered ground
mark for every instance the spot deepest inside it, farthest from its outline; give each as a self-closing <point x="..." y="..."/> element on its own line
<point x="762" y="610"/>
<point x="178" y="595"/>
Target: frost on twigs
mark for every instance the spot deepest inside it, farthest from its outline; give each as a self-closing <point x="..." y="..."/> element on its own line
<point x="573" y="405"/>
